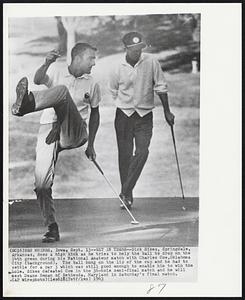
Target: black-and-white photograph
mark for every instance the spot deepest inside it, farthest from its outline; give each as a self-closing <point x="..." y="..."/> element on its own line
<point x="104" y="130"/>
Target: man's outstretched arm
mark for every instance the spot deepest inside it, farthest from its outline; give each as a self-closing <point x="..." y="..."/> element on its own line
<point x="93" y="126"/>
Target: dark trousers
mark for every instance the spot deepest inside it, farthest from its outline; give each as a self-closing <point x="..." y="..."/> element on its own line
<point x="129" y="131"/>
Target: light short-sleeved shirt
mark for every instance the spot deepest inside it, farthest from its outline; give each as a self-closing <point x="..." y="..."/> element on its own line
<point x="78" y="86"/>
<point x="133" y="88"/>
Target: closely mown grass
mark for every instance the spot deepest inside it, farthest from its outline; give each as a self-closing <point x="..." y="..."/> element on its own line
<point x="184" y="89"/>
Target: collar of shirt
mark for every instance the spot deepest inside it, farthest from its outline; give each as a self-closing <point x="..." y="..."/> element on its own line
<point x="68" y="74"/>
<point x="125" y="63"/>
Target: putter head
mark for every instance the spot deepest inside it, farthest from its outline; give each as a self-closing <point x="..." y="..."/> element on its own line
<point x="134" y="222"/>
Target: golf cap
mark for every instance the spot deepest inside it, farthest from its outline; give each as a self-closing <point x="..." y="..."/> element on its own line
<point x="133" y="40"/>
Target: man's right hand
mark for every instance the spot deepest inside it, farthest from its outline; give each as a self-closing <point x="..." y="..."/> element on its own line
<point x="90" y="153"/>
<point x="51" y="57"/>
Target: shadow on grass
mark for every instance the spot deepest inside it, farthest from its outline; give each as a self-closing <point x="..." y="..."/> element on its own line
<point x="44" y="39"/>
<point x="41" y="54"/>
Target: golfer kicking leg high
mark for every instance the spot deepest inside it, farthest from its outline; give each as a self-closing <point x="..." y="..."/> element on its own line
<point x="65" y="104"/>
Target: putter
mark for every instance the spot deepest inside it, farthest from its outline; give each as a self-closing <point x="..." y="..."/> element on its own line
<point x="134" y="221"/>
<point x="172" y="131"/>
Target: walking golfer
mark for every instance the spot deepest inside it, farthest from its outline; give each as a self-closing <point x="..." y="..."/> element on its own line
<point x="66" y="103"/>
<point x="132" y="85"/>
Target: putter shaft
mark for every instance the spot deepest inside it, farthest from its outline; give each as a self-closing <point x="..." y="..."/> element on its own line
<point x="101" y="171"/>
<point x="176" y="156"/>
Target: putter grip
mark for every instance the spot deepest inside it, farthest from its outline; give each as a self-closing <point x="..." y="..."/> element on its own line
<point x="98" y="167"/>
<point x="172" y="131"/>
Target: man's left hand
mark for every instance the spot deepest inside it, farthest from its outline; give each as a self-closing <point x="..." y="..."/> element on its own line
<point x="90" y="153"/>
<point x="169" y="118"/>
<point x="54" y="134"/>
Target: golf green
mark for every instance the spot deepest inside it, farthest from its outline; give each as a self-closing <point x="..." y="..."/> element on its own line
<point x="101" y="222"/>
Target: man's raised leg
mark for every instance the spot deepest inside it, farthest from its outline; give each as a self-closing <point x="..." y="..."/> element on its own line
<point x="73" y="127"/>
<point x="27" y="102"/>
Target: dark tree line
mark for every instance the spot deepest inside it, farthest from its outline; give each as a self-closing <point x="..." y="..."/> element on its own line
<point x="162" y="32"/>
